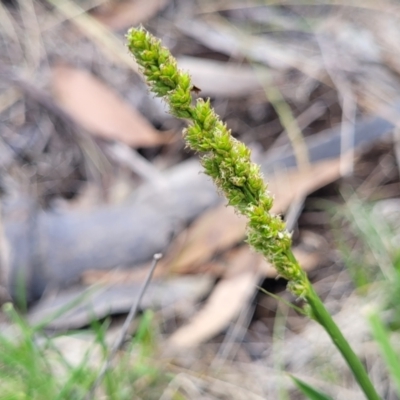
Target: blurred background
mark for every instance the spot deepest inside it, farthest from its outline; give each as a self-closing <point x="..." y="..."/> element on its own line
<point x="95" y="179"/>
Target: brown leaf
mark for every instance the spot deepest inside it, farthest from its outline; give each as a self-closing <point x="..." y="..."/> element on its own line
<point x="123" y="14"/>
<point x="216" y="230"/>
<point x="100" y="110"/>
<point x="223" y="305"/>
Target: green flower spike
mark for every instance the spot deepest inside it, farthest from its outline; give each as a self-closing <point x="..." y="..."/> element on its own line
<point x="227" y="162"/>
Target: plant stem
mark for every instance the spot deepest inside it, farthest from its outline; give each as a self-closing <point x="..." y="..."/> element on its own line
<point x="322" y="316"/>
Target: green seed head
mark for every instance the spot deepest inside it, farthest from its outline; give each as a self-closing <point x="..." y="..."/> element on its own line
<point x="225" y="160"/>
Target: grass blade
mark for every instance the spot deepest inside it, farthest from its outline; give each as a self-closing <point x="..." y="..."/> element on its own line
<point x="389" y="354"/>
<point x="310" y="391"/>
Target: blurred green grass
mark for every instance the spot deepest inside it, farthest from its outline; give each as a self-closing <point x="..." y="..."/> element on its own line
<point x="33" y="367"/>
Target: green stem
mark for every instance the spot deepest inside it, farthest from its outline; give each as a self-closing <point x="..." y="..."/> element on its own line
<point x="322" y="316"/>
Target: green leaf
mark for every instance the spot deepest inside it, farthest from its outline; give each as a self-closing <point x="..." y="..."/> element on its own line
<point x="390" y="356"/>
<point x="309" y="391"/>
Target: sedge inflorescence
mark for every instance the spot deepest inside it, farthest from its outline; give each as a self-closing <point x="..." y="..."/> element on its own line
<point x="225" y="159"/>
